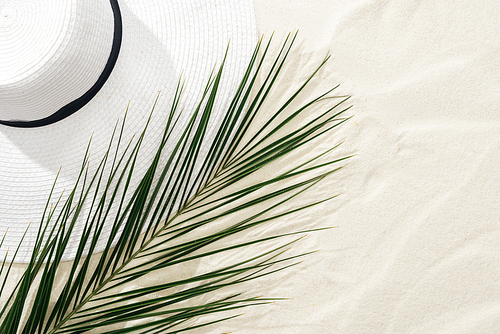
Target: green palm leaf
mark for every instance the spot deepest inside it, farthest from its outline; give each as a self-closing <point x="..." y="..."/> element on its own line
<point x="162" y="223"/>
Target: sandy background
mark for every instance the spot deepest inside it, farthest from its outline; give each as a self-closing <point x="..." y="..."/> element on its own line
<point x="417" y="243"/>
<point x="417" y="248"/>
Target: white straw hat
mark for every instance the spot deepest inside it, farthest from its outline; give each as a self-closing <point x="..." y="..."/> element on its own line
<point x="68" y="70"/>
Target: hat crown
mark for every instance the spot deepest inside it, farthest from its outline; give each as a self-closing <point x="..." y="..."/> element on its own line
<point x="51" y="53"/>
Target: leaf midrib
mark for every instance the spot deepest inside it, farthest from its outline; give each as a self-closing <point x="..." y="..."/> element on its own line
<point x="124" y="264"/>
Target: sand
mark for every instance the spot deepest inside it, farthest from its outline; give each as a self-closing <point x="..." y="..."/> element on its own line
<point x="417" y="247"/>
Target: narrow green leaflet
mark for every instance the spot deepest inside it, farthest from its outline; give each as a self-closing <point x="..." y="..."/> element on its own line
<point x="187" y="207"/>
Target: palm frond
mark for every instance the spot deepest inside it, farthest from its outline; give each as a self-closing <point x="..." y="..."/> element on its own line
<point x="162" y="223"/>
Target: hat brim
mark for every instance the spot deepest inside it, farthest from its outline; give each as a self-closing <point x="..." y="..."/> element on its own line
<point x="161" y="40"/>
